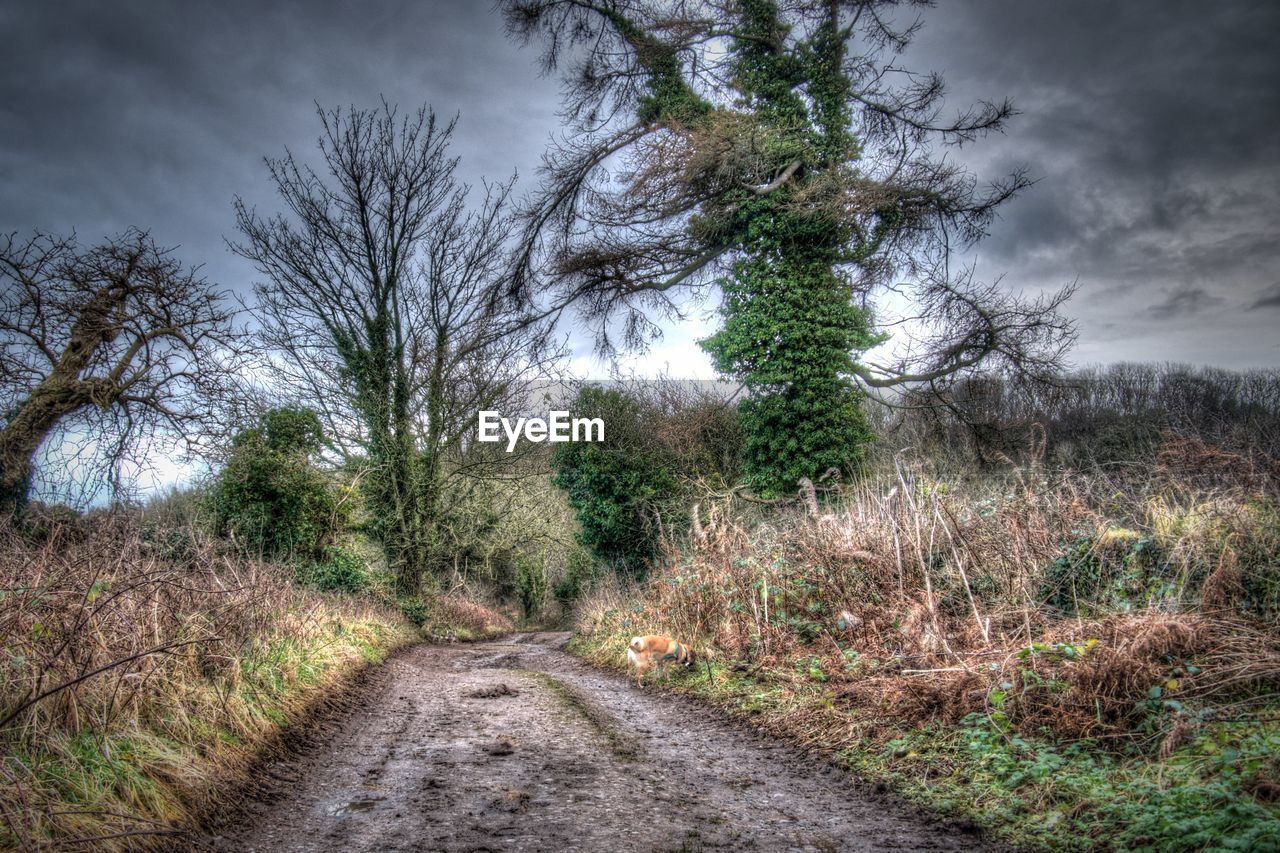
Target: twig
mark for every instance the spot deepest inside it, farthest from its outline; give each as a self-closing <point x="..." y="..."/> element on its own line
<point x="64" y="685"/>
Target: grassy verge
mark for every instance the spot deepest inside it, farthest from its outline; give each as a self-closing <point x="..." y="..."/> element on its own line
<point x="1072" y="660"/>
<point x="142" y="682"/>
<point x="1216" y="790"/>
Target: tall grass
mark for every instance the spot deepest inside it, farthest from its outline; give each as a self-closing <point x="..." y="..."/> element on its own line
<point x="922" y="596"/>
<point x="1075" y="661"/>
<point x="141" y="670"/>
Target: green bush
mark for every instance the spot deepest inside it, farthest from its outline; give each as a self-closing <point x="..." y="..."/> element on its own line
<point x="414" y="609"/>
<point x="270" y="497"/>
<point x="580" y="570"/>
<point x="293" y="430"/>
<point x="665" y="445"/>
<point x="531" y="584"/>
<point x="791" y="336"/>
<point x="1118" y="570"/>
<point x="617" y="487"/>
<point x="340" y="571"/>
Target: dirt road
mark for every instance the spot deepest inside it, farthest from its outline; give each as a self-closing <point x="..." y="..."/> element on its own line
<point x="516" y="745"/>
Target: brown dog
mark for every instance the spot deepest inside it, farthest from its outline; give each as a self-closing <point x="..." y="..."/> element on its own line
<point x="652" y="650"/>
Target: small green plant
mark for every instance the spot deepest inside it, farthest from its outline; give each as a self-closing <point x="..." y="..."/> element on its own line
<point x="340" y="571"/>
<point x="811" y="667"/>
<point x="1195" y="800"/>
<point x="414" y="609"/>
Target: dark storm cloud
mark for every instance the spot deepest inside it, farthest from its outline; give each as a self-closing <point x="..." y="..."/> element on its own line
<point x="1154" y="129"/>
<point x="157" y="114"/>
<point x="1187" y="302"/>
<point x="1269" y="299"/>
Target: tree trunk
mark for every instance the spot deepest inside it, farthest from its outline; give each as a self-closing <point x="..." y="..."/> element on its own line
<point x="58" y="395"/>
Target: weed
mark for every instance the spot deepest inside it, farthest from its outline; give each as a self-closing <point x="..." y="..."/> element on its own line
<point x="138" y="680"/>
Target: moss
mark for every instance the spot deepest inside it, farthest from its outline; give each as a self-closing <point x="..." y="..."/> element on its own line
<point x="623" y="746"/>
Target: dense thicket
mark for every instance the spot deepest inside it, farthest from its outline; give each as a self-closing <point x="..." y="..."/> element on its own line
<point x="663" y="448"/>
<point x="1112" y="415"/>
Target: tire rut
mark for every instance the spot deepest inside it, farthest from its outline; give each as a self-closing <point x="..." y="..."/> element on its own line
<point x="517" y="746"/>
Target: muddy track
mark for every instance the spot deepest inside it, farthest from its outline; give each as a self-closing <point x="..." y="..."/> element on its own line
<point x="516" y="745"/>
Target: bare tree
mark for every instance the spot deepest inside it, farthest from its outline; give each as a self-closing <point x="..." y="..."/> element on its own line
<point x="120" y="342"/>
<point x="377" y="309"/>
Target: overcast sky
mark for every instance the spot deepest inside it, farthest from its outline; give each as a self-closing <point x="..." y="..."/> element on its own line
<point x="1152" y="128"/>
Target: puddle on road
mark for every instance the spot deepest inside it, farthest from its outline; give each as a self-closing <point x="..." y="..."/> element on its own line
<point x="441" y="754"/>
<point x="352" y="807"/>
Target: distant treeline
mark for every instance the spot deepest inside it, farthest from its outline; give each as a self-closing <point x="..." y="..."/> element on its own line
<point x="1116" y="413"/>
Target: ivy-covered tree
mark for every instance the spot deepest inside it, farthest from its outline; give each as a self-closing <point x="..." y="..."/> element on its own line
<point x="777" y="152"/>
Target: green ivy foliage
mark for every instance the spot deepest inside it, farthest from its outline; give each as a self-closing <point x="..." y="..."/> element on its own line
<point x="293" y="430"/>
<point x="1118" y="570"/>
<point x="790" y="331"/>
<point x="617" y="486"/>
<point x="659" y="450"/>
<point x="791" y="326"/>
<point x="339" y="571"/>
<point x="270" y="497"/>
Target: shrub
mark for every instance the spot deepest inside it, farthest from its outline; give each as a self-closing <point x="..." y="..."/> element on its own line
<point x="663" y="445"/>
<point x="454" y="617"/>
<point x="580" y="570"/>
<point x="1110" y="417"/>
<point x="1117" y="570"/>
<point x="293" y="429"/>
<point x="531" y="585"/>
<point x="270" y="497"/>
<point x="414" y="609"/>
<point x="617" y="487"/>
<point x="340" y="571"/>
<point x="802" y="432"/>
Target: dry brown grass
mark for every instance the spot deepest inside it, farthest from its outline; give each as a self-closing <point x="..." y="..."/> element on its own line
<point x="139" y="677"/>
<point x="944" y="585"/>
<point x="454" y="617"/>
